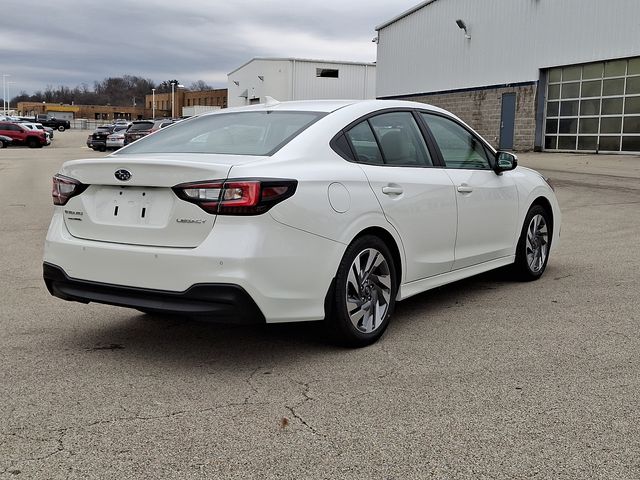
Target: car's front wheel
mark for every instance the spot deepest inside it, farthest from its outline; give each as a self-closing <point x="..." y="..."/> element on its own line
<point x="532" y="253"/>
<point x="61" y="128"/>
<point x="364" y="294"/>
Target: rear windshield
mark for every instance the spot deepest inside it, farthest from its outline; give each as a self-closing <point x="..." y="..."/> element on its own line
<point x="140" y="126"/>
<point x="238" y="133"/>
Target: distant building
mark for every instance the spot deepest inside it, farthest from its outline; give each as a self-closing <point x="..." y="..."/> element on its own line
<point x="204" y="100"/>
<point x="300" y="79"/>
<point x="186" y="98"/>
<point x="550" y="75"/>
<point x="72" y="112"/>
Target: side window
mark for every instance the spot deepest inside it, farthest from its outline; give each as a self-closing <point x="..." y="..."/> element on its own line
<point x="364" y="144"/>
<point x="400" y="139"/>
<point x="459" y="148"/>
<point x="342" y="148"/>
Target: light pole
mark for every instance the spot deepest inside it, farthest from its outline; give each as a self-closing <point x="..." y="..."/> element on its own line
<point x="9" y="96"/>
<point x="173" y="99"/>
<point x="174" y="85"/>
<point x="153" y="103"/>
<point x="4" y="92"/>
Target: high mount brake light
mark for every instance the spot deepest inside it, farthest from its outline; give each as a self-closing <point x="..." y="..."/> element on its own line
<point x="252" y="196"/>
<point x="64" y="188"/>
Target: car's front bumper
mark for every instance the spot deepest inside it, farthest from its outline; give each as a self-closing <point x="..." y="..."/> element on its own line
<point x="220" y="302"/>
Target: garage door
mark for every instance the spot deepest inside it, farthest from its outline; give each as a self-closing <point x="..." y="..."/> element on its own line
<point x="594" y="107"/>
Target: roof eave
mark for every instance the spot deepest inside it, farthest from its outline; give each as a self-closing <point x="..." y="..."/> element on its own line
<point x="404" y="14"/>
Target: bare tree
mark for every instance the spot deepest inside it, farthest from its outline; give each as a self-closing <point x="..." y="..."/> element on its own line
<point x="200" y="85"/>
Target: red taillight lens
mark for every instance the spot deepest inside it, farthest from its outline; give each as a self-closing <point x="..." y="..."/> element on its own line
<point x="236" y="197"/>
<point x="64" y="188"/>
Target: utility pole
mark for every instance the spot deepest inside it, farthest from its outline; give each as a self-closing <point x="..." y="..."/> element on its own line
<point x="4" y="92"/>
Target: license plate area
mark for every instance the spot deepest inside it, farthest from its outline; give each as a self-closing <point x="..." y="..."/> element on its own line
<point x="133" y="206"/>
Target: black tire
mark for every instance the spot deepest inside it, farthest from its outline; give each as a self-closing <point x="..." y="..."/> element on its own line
<point x="339" y="322"/>
<point x="103" y="149"/>
<point x="61" y="128"/>
<point x="2" y="144"/>
<point x="529" y="265"/>
<point x="33" y="143"/>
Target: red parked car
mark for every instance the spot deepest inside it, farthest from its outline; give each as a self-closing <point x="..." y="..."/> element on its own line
<point x="22" y="135"/>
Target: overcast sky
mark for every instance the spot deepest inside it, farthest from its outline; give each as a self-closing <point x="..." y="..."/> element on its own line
<point x="70" y="42"/>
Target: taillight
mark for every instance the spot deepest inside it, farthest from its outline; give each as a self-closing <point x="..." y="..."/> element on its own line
<point x="237" y="196"/>
<point x="64" y="188"/>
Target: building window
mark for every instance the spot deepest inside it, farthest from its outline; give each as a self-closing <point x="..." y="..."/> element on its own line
<point x="594" y="107"/>
<point x="327" y="72"/>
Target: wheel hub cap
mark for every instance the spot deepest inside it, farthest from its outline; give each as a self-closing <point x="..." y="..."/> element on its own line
<point x="368" y="290"/>
<point x="537" y="244"/>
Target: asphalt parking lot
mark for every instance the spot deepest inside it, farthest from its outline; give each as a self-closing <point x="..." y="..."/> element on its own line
<point x="485" y="378"/>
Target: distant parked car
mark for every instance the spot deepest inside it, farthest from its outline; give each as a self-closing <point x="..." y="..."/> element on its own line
<point x="138" y="129"/>
<point x="116" y="139"/>
<point x="49" y="130"/>
<point x="98" y="139"/>
<point x="37" y="126"/>
<point x="22" y="135"/>
<point x="5" y="141"/>
<point x="60" y="125"/>
<point x="158" y="124"/>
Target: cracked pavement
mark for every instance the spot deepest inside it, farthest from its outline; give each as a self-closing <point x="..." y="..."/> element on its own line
<point x="485" y="378"/>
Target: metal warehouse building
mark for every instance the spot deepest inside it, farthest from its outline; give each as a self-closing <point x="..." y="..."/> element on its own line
<point x="527" y="74"/>
<point x="300" y="79"/>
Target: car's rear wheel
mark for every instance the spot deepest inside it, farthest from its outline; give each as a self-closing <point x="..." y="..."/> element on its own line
<point x="2" y="144"/>
<point x="364" y="293"/>
<point x="61" y="128"/>
<point x="532" y="253"/>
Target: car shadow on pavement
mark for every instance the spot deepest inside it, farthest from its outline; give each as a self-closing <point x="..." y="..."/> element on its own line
<point x="137" y="337"/>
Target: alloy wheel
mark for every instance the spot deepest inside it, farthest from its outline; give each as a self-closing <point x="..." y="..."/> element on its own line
<point x="368" y="290"/>
<point x="537" y="244"/>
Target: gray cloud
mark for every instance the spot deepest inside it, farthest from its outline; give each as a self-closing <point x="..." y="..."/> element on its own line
<point x="70" y="42"/>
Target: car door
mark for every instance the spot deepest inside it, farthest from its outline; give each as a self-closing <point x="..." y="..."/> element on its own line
<point x="487" y="202"/>
<point x="417" y="198"/>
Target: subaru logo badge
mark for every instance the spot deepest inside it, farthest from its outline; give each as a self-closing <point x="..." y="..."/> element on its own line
<point x="123" y="175"/>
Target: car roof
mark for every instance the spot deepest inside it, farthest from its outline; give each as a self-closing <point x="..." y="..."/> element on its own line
<point x="328" y="106"/>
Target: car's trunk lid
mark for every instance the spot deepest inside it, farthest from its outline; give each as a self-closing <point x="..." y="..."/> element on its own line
<point x="142" y="210"/>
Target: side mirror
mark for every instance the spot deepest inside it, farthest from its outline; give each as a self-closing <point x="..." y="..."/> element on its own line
<point x="505" y="161"/>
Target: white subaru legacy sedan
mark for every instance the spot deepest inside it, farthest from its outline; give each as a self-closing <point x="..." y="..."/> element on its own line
<point x="296" y="211"/>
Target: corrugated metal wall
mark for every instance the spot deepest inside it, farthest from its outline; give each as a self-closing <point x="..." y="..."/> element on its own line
<point x="289" y="79"/>
<point x="510" y="41"/>
<point x="353" y="82"/>
<point x="276" y="82"/>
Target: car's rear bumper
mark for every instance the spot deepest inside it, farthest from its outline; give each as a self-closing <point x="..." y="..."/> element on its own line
<point x="285" y="271"/>
<point x="219" y="302"/>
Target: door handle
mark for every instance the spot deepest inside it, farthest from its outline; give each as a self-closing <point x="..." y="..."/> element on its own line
<point x="464" y="188"/>
<point x="392" y="190"/>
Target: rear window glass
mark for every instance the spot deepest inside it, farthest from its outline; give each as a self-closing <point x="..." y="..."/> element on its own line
<point x="239" y="133"/>
<point x="140" y="126"/>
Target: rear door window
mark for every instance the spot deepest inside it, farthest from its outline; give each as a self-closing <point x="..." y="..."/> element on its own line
<point x="400" y="139"/>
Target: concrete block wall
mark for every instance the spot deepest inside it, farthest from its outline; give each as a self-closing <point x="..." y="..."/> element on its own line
<point x="481" y="109"/>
